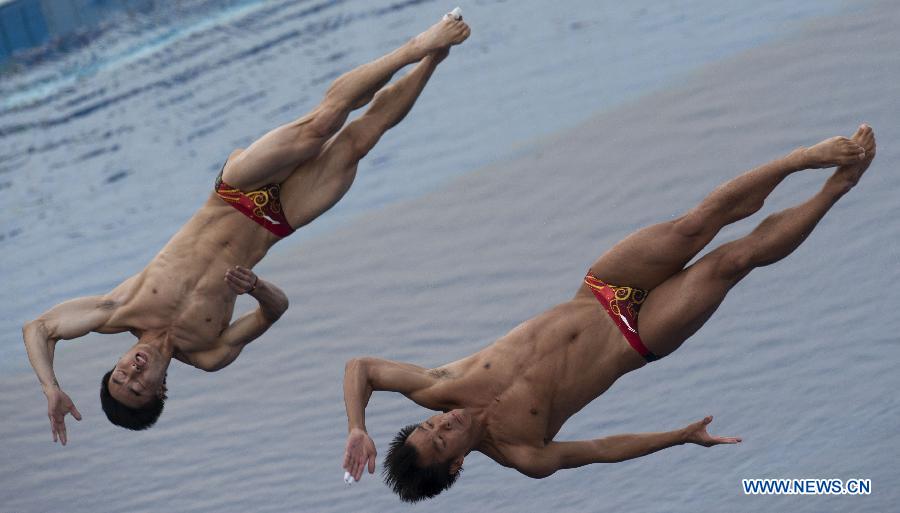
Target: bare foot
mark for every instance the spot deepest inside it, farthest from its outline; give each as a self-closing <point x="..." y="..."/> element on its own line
<point x="850" y="174"/>
<point x="443" y="34"/>
<point x="835" y="151"/>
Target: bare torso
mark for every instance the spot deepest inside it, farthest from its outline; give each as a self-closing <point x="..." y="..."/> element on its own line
<point x="181" y="293"/>
<point x="538" y="375"/>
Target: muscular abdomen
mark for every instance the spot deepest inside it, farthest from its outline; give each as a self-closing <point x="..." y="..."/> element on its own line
<point x="182" y="291"/>
<point x="567" y="357"/>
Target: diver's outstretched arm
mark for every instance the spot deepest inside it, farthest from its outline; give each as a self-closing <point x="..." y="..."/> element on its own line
<point x="71" y="319"/>
<point x="544" y="461"/>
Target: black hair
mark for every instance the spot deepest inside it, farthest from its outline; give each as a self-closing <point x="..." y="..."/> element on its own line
<point x="411" y="481"/>
<point x="136" y="419"/>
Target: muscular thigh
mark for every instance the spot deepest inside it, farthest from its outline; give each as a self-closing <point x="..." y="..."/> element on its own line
<point x="317" y="185"/>
<point x="679" y="306"/>
<point x="650" y="256"/>
<point x="271" y="158"/>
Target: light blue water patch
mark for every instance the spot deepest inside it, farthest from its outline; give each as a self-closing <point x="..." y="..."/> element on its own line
<point x="118" y="39"/>
<point x="106" y="151"/>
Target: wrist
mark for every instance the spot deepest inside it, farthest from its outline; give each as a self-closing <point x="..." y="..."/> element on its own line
<point x="799" y="158"/>
<point x="257" y="285"/>
<point x="682" y="436"/>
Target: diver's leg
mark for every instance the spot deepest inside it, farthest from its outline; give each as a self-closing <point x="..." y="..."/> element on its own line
<point x="306" y="195"/>
<point x="651" y="255"/>
<point x="274" y="156"/>
<point x="388" y="108"/>
<point x="678" y="307"/>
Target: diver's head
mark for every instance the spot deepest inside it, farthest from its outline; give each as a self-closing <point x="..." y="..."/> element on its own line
<point x="133" y="393"/>
<point x="425" y="459"/>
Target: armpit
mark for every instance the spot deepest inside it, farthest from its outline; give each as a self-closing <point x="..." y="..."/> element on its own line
<point x="439" y="373"/>
<point x="106" y="304"/>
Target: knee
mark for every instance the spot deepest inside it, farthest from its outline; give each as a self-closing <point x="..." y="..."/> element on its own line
<point x="728" y="204"/>
<point x="694" y="231"/>
<point x="383" y="110"/>
<point x="363" y="142"/>
<point x="383" y="97"/>
<point x="734" y="263"/>
<point x="364" y="134"/>
<point x="691" y="224"/>
<point x="327" y="119"/>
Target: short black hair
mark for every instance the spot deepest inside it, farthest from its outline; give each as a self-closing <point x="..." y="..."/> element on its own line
<point x="136" y="419"/>
<point x="411" y="481"/>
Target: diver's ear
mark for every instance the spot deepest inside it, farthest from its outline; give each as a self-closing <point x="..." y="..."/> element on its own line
<point x="456" y="465"/>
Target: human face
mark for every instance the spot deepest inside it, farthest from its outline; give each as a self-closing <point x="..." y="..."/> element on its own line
<point x="138" y="376"/>
<point x="443" y="437"/>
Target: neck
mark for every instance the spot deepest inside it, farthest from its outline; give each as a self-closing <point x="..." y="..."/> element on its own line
<point x="480" y="434"/>
<point x="159" y="341"/>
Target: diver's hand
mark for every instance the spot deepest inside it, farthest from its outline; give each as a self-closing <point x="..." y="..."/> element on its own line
<point x="241" y="280"/>
<point x="58" y="405"/>
<point x="696" y="434"/>
<point x="360" y="450"/>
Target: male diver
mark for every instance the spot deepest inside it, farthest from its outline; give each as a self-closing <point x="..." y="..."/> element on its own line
<point x="180" y="306"/>
<point x="509" y="400"/>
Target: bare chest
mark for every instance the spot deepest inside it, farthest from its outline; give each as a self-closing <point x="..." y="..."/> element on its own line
<point x="193" y="312"/>
<point x="522" y="414"/>
<point x="551" y="367"/>
<point x="183" y="290"/>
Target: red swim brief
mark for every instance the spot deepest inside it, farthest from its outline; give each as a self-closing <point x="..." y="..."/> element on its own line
<point x="262" y="205"/>
<point x="622" y="304"/>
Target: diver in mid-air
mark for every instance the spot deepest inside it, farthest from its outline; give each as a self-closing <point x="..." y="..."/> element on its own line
<point x="180" y="305"/>
<point x="509" y="400"/>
